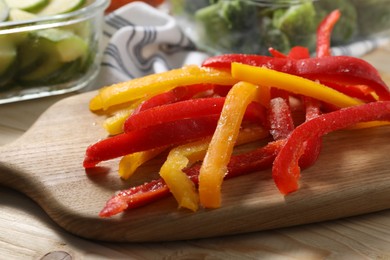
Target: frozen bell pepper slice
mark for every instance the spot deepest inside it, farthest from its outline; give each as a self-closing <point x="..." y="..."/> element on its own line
<point x="131" y="162"/>
<point x="114" y="123"/>
<point x="171" y="133"/>
<point x="291" y="83"/>
<point x="182" y="188"/>
<point x="299" y="52"/>
<point x="281" y="123"/>
<point x="134" y="197"/>
<point x="174" y="95"/>
<point x="214" y="166"/>
<point x="158" y="83"/>
<point x="277" y="54"/>
<point x="343" y="70"/>
<point x="324" y="33"/>
<point x="286" y="170"/>
<point x="312" y="106"/>
<point x="191" y="108"/>
<point x="180" y="185"/>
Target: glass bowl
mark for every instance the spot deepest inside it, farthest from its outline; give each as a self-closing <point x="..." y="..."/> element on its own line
<point x="252" y="26"/>
<point x="50" y="55"/>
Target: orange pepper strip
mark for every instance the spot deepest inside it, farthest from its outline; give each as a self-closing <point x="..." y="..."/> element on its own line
<point x="264" y="96"/>
<point x="158" y="83"/>
<point x="179" y="184"/>
<point x="295" y="84"/>
<point x="214" y="166"/>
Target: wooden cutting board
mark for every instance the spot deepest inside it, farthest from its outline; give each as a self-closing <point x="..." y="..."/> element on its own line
<point x="351" y="177"/>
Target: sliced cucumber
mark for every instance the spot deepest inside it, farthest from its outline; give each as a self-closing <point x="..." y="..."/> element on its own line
<point x="4" y="11"/>
<point x="8" y="54"/>
<point x="27" y="5"/>
<point x="55" y="55"/>
<point x="20" y="15"/>
<point x="61" y="6"/>
<point x="30" y="56"/>
<point x="68" y="45"/>
<point x="68" y="71"/>
<point x="43" y="73"/>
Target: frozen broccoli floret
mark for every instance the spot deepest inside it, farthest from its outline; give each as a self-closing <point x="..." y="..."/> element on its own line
<point x="272" y="37"/>
<point x="230" y="25"/>
<point x="346" y="28"/>
<point x="373" y="15"/>
<point x="299" y="23"/>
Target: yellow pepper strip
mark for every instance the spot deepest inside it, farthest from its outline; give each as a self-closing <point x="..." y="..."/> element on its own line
<point x="130" y="163"/>
<point x="295" y="84"/>
<point x="114" y="123"/>
<point x="251" y="134"/>
<point x="182" y="188"/>
<point x="183" y="156"/>
<point x="214" y="166"/>
<point x="157" y="83"/>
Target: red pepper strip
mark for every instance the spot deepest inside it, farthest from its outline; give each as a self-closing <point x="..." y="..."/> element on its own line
<point x="135" y="197"/>
<point x="166" y="133"/>
<point x="296" y="52"/>
<point x="222" y="90"/>
<point x="324" y="33"/>
<point x="338" y="69"/>
<point x="175" y="95"/>
<point x="286" y="171"/>
<point x="275" y="53"/>
<point x="361" y="92"/>
<point x="191" y="108"/>
<point x="170" y="133"/>
<point x="280" y="119"/>
<point x="276" y="92"/>
<point x="299" y="52"/>
<point x="313" y="145"/>
<point x="256" y="160"/>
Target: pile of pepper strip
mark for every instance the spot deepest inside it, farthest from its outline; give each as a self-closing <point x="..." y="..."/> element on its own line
<point x="198" y="114"/>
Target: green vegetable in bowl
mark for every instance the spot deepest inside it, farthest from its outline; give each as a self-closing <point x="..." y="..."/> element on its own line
<point x="373" y="16"/>
<point x="250" y="26"/>
<point x="299" y="23"/>
<point x="47" y="56"/>
<point x="61" y="6"/>
<point x="27" y="5"/>
<point x="48" y="53"/>
<point x="224" y="23"/>
<point x="20" y="15"/>
<point x="8" y="56"/>
<point x="272" y="37"/>
<point x="4" y="11"/>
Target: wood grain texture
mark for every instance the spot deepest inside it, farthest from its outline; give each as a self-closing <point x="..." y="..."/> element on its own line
<point x="350" y="178"/>
<point x="26" y="232"/>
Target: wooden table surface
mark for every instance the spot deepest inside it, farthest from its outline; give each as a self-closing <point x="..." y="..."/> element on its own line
<point x="26" y="232"/>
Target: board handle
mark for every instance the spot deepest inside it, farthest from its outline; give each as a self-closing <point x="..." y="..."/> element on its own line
<point x="12" y="178"/>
